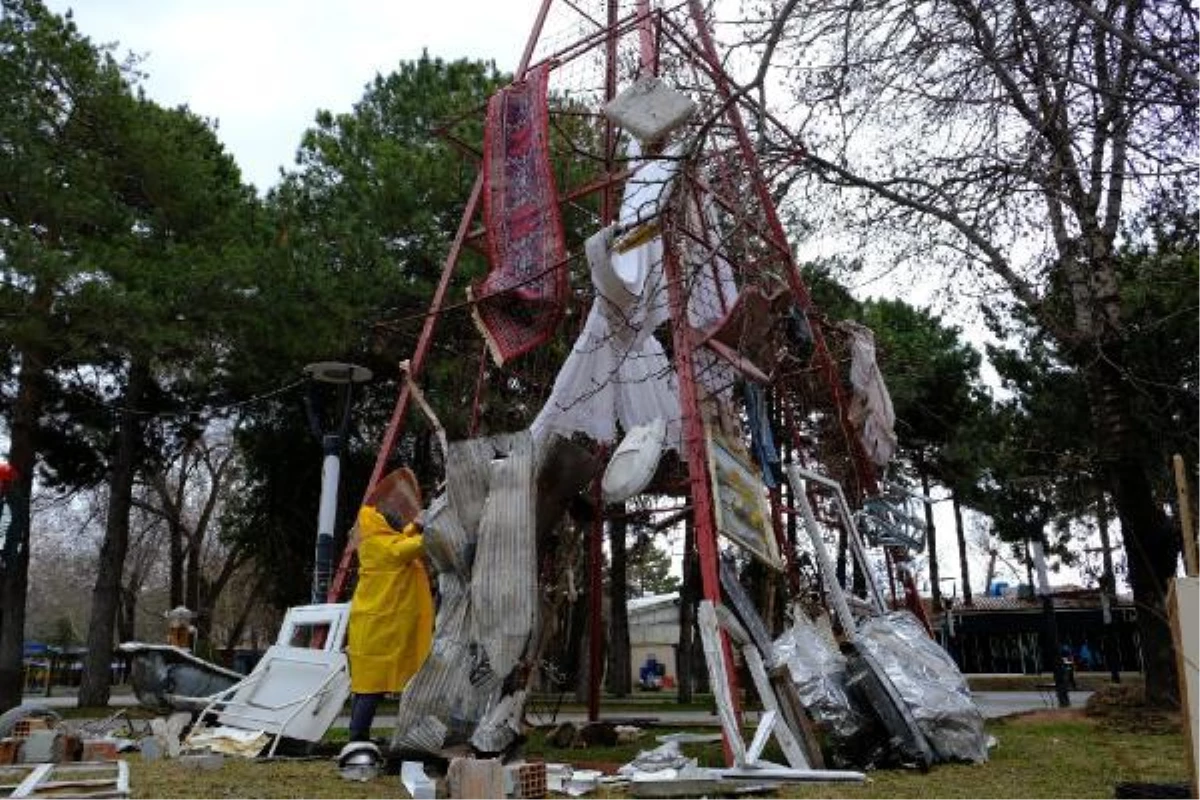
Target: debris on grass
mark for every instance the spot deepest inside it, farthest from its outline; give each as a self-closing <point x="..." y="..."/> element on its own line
<point x="1123" y="708"/>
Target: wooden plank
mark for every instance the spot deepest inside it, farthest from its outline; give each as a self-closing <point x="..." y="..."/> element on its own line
<point x="29" y="785"/>
<point x="743" y="606"/>
<point x="766" y="726"/>
<point x="1183" y="604"/>
<point x="39" y="784"/>
<point x="787" y="741"/>
<point x="797" y="718"/>
<point x="714" y="657"/>
<point x="729" y="623"/>
<point x="1191" y="563"/>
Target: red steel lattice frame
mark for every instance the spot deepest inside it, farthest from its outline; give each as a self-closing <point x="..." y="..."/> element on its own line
<point x="684" y="342"/>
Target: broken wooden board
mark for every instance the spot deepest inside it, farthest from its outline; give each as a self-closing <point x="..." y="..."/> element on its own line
<point x="714" y="657"/>
<point x="703" y="784"/>
<point x="54" y="780"/>
<point x="775" y="693"/>
<point x="783" y="733"/>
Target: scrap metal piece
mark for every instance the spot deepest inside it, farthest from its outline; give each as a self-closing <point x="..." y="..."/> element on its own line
<point x="837" y="596"/>
<point x="866" y="677"/>
<point x="773" y="772"/>
<point x="168" y="678"/>
<point x="504" y="587"/>
<point x="814" y="673"/>
<point x="930" y="684"/>
<point x="504" y="495"/>
<point x="848" y="522"/>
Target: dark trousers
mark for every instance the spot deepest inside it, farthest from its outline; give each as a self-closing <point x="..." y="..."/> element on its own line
<point x="362" y="714"/>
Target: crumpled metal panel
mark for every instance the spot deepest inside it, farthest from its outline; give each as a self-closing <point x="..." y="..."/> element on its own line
<point x="440" y="696"/>
<point x="449" y="547"/>
<point x="931" y="685"/>
<point x="504" y="584"/>
<point x="818" y="671"/>
<point x="503" y="496"/>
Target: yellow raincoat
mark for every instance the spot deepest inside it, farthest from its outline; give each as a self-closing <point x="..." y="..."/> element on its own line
<point x="391" y="613"/>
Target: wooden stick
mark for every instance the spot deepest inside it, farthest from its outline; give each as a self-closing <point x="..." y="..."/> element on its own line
<point x="1191" y="562"/>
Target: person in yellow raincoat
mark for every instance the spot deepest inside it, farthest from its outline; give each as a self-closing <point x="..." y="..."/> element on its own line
<point x="391" y="615"/>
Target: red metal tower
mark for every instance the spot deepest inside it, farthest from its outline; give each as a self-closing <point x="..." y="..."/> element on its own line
<point x="732" y="287"/>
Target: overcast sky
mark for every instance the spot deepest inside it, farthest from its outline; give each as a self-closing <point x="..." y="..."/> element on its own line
<point x="262" y="68"/>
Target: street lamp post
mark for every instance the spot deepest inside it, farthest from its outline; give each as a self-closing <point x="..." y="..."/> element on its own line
<point x="343" y="377"/>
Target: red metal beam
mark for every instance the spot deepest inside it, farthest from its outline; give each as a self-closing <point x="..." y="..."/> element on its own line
<point x="695" y="446"/>
<point x="821" y="355"/>
<point x="417" y="362"/>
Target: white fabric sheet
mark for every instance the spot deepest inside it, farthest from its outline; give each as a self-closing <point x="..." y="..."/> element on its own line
<point x="617" y="372"/>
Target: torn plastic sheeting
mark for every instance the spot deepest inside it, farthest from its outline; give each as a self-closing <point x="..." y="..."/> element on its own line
<point x="666" y="756"/>
<point x="931" y="685"/>
<point x="617" y="370"/>
<point x="819" y="674"/>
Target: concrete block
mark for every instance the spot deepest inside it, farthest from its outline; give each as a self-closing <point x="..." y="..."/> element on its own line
<point x="202" y="761"/>
<point x="649" y="109"/>
<point x="41" y="747"/>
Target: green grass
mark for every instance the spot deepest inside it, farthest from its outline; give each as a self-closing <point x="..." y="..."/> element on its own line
<point x="1084" y="681"/>
<point x="1049" y="754"/>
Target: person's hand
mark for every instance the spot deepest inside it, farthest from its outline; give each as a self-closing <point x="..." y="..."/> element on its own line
<point x="393" y="519"/>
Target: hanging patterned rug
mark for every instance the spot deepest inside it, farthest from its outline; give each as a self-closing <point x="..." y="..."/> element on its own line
<point x="519" y="303"/>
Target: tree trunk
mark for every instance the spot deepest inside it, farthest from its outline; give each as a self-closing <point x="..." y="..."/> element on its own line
<point x="95" y="685"/>
<point x="577" y="645"/>
<point x="191" y="597"/>
<point x="935" y="586"/>
<point x="963" y="566"/>
<point x="234" y="636"/>
<point x="127" y="613"/>
<point x="22" y="455"/>
<point x="1108" y="594"/>
<point x="14" y="581"/>
<point x="1151" y="545"/>
<point x="619" y="660"/>
<point x="175" y="531"/>
<point x="689" y="595"/>
<point x="210" y="592"/>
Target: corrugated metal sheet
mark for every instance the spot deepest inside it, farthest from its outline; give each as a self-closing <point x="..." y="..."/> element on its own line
<point x="482" y="538"/>
<point x="504" y="581"/>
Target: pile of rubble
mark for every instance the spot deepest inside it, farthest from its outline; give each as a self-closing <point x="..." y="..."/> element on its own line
<point x="41" y="756"/>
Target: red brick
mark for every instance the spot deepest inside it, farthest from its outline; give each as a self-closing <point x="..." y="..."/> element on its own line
<point x="99" y="750"/>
